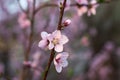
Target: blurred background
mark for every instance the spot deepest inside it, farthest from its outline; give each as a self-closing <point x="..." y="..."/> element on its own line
<point x="94" y="42"/>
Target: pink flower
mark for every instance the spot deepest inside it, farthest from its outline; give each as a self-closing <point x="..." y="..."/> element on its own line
<point x="82" y="10"/>
<point x="60" y="61"/>
<point x="24" y="21"/>
<point x="89" y="7"/>
<point x="92" y="9"/>
<point x="44" y="42"/>
<point x="57" y="40"/>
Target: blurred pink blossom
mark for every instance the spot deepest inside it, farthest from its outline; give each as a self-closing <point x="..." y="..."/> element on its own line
<point x="82" y="10"/>
<point x="99" y="60"/>
<point x="109" y="46"/>
<point x="89" y="7"/>
<point x="60" y="61"/>
<point x="105" y="72"/>
<point x="92" y="9"/>
<point x="82" y="1"/>
<point x="85" y="41"/>
<point x="23" y="21"/>
<point x="36" y="59"/>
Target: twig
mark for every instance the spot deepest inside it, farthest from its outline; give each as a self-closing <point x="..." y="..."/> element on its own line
<point x="49" y="64"/>
<point x="46" y="5"/>
<point x="61" y="15"/>
<point x="21" y="6"/>
<point x="31" y="33"/>
<point x="59" y="28"/>
<point x="25" y="72"/>
<point x="71" y="5"/>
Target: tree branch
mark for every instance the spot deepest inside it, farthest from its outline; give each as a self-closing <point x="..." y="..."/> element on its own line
<point x="25" y="71"/>
<point x="59" y="28"/>
<point x="21" y="6"/>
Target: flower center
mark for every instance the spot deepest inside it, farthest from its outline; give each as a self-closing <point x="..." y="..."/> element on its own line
<point x="55" y="41"/>
<point x="58" y="60"/>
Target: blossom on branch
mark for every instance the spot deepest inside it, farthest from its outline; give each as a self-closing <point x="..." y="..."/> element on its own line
<point x="60" y="61"/>
<point x="57" y="40"/>
<point x="44" y="42"/>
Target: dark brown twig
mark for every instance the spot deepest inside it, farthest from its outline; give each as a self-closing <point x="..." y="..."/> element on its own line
<point x="61" y="15"/>
<point x="59" y="28"/>
<point x="49" y="64"/>
<point x="21" y="6"/>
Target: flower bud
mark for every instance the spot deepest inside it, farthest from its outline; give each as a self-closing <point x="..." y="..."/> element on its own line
<point x="66" y="22"/>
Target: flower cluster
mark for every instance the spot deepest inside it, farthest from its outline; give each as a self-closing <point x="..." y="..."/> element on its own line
<point x="55" y="41"/>
<point x="88" y="7"/>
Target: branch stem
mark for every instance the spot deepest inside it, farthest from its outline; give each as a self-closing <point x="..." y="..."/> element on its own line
<point x="49" y="64"/>
<point x="52" y="51"/>
<point x="26" y="69"/>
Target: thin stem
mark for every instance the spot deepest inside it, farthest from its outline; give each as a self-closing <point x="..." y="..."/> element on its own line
<point x="31" y="33"/>
<point x="61" y="15"/>
<point x="45" y="6"/>
<point x="71" y="5"/>
<point x="21" y="6"/>
<point x="53" y="52"/>
<point x="49" y="64"/>
<point x="25" y="71"/>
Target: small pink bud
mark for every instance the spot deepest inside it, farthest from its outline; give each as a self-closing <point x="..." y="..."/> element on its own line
<point x="67" y="22"/>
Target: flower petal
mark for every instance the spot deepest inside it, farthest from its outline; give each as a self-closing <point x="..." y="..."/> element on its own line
<point x="42" y="43"/>
<point x="64" y="63"/>
<point x="57" y="34"/>
<point x="59" y="48"/>
<point x="89" y="13"/>
<point x="63" y="39"/>
<point x="44" y="35"/>
<point x="64" y="55"/>
<point x="82" y="10"/>
<point x="93" y="2"/>
<point x="58" y="56"/>
<point x="82" y="1"/>
<point x="50" y="37"/>
<point x="58" y="68"/>
<point x="55" y="63"/>
<point x="93" y="11"/>
<point x="51" y="45"/>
